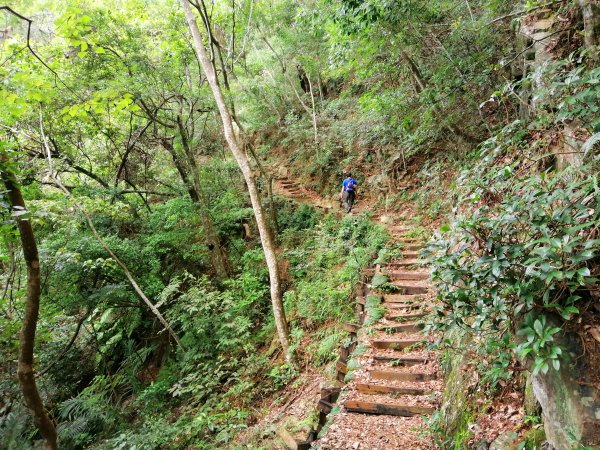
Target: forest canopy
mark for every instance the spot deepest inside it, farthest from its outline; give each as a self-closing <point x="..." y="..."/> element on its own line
<point x="140" y="146"/>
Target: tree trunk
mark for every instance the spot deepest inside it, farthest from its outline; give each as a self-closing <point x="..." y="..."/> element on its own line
<point x="421" y="85"/>
<point x="314" y="113"/>
<point x="591" y="22"/>
<point x="269" y="182"/>
<point x="27" y="335"/>
<point x="243" y="163"/>
<point x="218" y="256"/>
<point x="168" y="146"/>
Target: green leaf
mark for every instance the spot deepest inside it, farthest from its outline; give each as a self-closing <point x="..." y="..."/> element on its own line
<point x="538" y="327"/>
<point x="584" y="272"/>
<point x="590" y="143"/>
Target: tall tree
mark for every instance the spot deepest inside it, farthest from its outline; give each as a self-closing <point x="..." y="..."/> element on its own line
<point x="25" y="371"/>
<point x="266" y="236"/>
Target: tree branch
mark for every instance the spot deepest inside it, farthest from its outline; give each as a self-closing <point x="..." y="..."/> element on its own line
<point x="66" y="349"/>
<point x="104" y="245"/>
<point x="526" y="11"/>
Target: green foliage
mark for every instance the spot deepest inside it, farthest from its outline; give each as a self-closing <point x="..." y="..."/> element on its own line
<point x="569" y="93"/>
<point x="329" y="263"/>
<point x="281" y="375"/>
<point x="327" y="349"/>
<point x="379" y="280"/>
<point x="298" y="218"/>
<point x="511" y="266"/>
<point x="461" y="435"/>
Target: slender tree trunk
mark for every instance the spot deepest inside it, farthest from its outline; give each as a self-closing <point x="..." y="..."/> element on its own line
<point x="269" y="181"/>
<point x="314" y="112"/>
<point x="218" y="256"/>
<point x="25" y="371"/>
<point x="591" y="22"/>
<point x="272" y="209"/>
<point x="421" y="86"/>
<point x="265" y="233"/>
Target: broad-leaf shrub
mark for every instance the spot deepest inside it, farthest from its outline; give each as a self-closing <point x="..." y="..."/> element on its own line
<point x="507" y="268"/>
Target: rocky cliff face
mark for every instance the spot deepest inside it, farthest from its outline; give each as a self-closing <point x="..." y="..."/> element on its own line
<point x="570" y="402"/>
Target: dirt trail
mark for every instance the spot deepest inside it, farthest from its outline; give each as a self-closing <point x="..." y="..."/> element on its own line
<point x="396" y="382"/>
<point x="291" y="189"/>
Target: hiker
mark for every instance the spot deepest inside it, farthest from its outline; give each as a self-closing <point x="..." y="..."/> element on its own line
<point x="348" y="192"/>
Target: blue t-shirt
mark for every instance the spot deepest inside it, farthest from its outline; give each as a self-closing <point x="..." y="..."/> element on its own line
<point x="349" y="184"/>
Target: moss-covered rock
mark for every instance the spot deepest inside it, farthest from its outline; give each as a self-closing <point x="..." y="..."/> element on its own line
<point x="569" y="407"/>
<point x="506" y="441"/>
<point x="534" y="438"/>
<point x="530" y="403"/>
<point x="561" y="408"/>
<point x="455" y="401"/>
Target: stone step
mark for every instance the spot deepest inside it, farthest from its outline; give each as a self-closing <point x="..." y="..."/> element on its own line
<point x="410" y="254"/>
<point x="375" y="389"/>
<point x="409" y="327"/>
<point x="407" y="276"/>
<point x="386" y="409"/>
<point x="409" y="241"/>
<point x="402" y="298"/>
<point x="407" y="289"/>
<point x="391" y="375"/>
<point x="408" y="262"/>
<point x="405" y="316"/>
<point x="396" y="344"/>
<point x="412" y="306"/>
<point x="400" y="361"/>
<point x="400" y="229"/>
<point x="404" y="308"/>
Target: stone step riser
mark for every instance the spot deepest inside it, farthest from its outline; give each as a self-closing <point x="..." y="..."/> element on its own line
<point x="408" y="263"/>
<point x="402" y="376"/>
<point x="396" y="345"/>
<point x="376" y="389"/>
<point x="410" y="290"/>
<point x="403" y="298"/>
<point x="407" y="276"/>
<point x="402" y="328"/>
<point x="385" y="409"/>
<point x="398" y="361"/>
<point x="405" y="317"/>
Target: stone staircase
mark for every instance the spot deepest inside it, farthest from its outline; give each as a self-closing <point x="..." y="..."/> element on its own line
<point x="385" y="401"/>
<point x="397" y="382"/>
